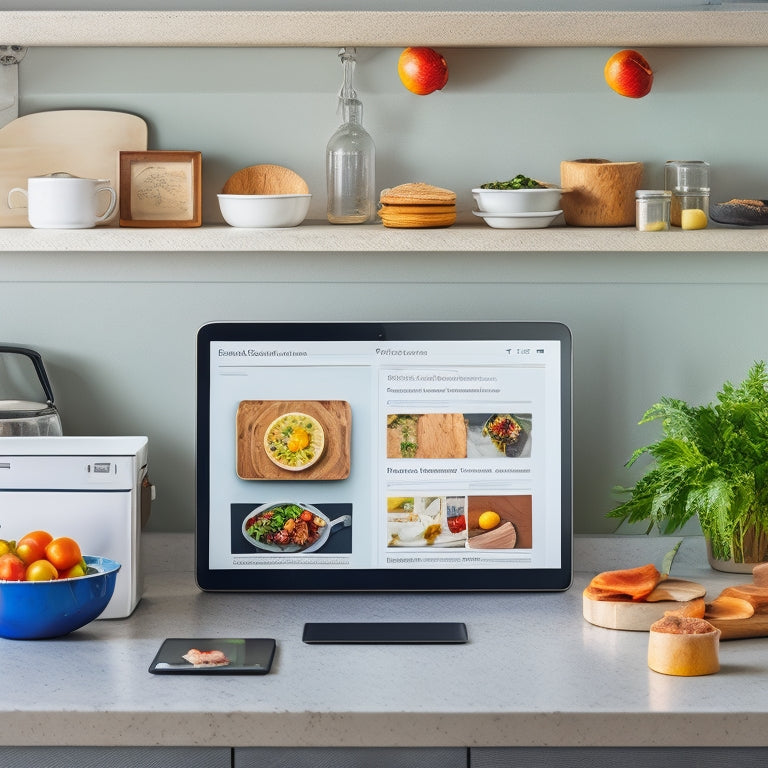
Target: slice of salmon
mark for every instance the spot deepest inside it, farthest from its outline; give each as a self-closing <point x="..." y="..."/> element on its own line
<point x="752" y="593"/>
<point x="636" y="583"/>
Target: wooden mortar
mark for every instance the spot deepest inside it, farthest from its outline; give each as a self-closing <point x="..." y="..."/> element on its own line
<point x="599" y="193"/>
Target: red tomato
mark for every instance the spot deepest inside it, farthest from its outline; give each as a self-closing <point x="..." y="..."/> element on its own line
<point x="41" y="570"/>
<point x="306" y="515"/>
<point x="31" y="546"/>
<point x="457" y="524"/>
<point x="12" y="568"/>
<point x="63" y="553"/>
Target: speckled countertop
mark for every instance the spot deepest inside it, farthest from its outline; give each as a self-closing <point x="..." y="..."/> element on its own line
<point x="533" y="674"/>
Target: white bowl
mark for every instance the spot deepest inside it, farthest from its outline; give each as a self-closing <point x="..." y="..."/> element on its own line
<point x="518" y="220"/>
<point x="517" y="200"/>
<point x="264" y="211"/>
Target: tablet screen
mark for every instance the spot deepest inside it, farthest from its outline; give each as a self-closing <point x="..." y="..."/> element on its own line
<point x="384" y="456"/>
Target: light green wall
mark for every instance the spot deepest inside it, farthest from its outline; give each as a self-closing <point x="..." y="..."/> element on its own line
<point x="121" y="354"/>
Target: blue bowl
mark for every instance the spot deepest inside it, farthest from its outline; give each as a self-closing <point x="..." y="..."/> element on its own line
<point x="32" y="610"/>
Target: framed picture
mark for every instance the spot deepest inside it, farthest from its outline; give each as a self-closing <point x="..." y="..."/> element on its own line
<point x="160" y="189"/>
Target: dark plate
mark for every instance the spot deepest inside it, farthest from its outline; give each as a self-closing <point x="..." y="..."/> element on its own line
<point x="247" y="656"/>
<point x="744" y="213"/>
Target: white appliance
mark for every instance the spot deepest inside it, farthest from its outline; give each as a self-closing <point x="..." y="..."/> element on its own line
<point x="87" y="488"/>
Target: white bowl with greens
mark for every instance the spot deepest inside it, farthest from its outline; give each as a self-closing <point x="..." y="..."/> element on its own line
<point x="520" y="194"/>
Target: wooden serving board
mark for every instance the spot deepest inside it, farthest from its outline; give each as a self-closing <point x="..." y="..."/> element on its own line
<point x="737" y="629"/>
<point x="639" y="616"/>
<point x="255" y="416"/>
<point x="438" y="436"/>
<point x="82" y="142"/>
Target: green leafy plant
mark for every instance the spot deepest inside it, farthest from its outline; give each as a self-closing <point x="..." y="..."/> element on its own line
<point x="712" y="461"/>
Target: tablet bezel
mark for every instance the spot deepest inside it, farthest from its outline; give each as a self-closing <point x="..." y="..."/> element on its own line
<point x="378" y="579"/>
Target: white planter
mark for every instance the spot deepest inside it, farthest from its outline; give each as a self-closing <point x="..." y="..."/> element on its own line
<point x="730" y="566"/>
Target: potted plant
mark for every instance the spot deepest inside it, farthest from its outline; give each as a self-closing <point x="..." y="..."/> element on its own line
<point x="711" y="462"/>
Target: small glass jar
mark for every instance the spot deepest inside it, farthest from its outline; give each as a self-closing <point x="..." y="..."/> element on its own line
<point x="690" y="210"/>
<point x="652" y="210"/>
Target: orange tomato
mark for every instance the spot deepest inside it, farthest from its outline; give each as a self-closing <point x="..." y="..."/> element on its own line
<point x="31" y="546"/>
<point x="41" y="570"/>
<point x="63" y="553"/>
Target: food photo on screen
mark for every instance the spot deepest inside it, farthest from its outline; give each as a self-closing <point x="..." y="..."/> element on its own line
<point x="426" y="521"/>
<point x="500" y="522"/>
<point x="290" y="528"/>
<point x="458" y="435"/>
<point x="473" y="522"/>
<point x="293" y="439"/>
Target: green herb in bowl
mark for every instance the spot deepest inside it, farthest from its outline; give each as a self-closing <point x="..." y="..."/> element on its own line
<point x="518" y="182"/>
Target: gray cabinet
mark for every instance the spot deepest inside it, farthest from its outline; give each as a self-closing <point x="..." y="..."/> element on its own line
<point x="116" y="757"/>
<point x="610" y="757"/>
<point x="342" y="757"/>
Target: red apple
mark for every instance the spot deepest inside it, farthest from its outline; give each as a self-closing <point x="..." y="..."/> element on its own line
<point x="422" y="70"/>
<point x="629" y="74"/>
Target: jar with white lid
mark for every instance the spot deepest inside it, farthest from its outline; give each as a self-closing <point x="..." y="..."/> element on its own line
<point x="652" y="210"/>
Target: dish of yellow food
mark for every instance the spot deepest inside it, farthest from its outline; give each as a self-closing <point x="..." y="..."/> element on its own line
<point x="294" y="441"/>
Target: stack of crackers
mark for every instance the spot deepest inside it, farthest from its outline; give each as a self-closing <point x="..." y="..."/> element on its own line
<point x="417" y="205"/>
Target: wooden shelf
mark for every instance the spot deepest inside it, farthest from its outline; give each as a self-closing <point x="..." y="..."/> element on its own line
<point x="319" y="237"/>
<point x="682" y="28"/>
<point x="701" y="26"/>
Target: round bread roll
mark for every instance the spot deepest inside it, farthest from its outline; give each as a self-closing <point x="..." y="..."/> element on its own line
<point x="265" y="179"/>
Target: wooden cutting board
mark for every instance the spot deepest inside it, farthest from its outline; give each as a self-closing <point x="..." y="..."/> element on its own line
<point x="82" y="142"/>
<point x="253" y="419"/>
<point x="638" y="616"/>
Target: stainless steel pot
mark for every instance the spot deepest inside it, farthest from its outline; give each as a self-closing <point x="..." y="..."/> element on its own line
<point x="23" y="418"/>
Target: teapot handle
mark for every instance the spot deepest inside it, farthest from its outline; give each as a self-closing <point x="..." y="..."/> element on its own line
<point x="37" y="361"/>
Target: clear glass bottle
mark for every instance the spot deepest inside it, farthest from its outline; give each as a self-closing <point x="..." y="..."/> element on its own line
<point x="350" y="157"/>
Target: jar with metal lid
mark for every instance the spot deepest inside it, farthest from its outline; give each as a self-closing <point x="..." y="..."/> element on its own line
<point x="652" y="209"/>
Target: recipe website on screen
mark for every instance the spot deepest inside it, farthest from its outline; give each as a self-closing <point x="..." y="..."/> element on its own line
<point x="385" y="454"/>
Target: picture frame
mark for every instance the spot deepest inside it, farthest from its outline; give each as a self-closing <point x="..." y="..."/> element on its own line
<point x="160" y="188"/>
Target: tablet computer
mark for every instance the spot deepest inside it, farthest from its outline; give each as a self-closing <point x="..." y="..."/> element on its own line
<point x="384" y="456"/>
